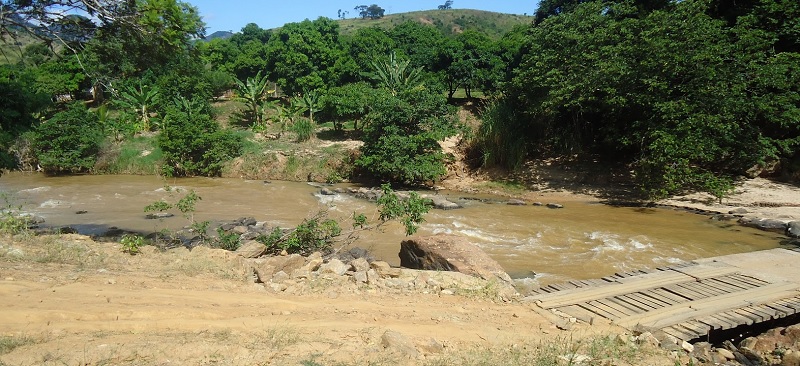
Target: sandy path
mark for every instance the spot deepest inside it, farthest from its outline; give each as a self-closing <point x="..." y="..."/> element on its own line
<point x="105" y="307"/>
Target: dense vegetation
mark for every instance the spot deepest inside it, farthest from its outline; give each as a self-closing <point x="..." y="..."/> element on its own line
<point x="690" y="94"/>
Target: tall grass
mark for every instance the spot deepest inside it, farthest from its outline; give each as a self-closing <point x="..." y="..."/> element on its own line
<point x="500" y="138"/>
<point x="138" y="155"/>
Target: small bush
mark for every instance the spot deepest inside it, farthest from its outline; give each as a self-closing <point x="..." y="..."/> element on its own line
<point x="304" y="129"/>
<point x="132" y="243"/>
<point x="193" y="143"/>
<point x="227" y="241"/>
<point x="69" y="142"/>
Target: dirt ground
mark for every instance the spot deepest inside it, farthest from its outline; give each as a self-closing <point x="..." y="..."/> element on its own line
<point x="67" y="300"/>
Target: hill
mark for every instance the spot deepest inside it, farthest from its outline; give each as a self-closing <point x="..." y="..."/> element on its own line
<point x="218" y="34"/>
<point x="450" y="22"/>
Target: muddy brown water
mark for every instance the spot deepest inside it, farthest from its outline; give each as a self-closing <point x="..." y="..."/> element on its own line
<point x="583" y="240"/>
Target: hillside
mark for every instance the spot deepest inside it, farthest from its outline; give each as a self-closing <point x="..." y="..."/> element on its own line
<point x="448" y="21"/>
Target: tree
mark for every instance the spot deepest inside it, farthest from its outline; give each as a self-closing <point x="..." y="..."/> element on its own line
<point x="447" y="5"/>
<point x="351" y="101"/>
<point x="401" y="137"/>
<point x="48" y="20"/>
<point x="193" y="143"/>
<point x="306" y="56"/>
<point x="373" y="11"/>
<point x="68" y="142"/>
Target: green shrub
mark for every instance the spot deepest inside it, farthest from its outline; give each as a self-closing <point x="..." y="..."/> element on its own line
<point x="131" y="244"/>
<point x="69" y="142"/>
<point x="228" y="241"/>
<point x="401" y="137"/>
<point x="304" y="129"/>
<point x="193" y="143"/>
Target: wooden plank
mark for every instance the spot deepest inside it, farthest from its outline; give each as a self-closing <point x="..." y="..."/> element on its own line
<point x="775" y="310"/>
<point x="728" y="322"/>
<point x="741" y="317"/>
<point x="705" y="287"/>
<point x="712" y="322"/>
<point x="652" y="301"/>
<point x="700" y="272"/>
<point x="614" y="313"/>
<point x="718" y="282"/>
<point x="600" y="310"/>
<point x="789" y="309"/>
<point x="579" y="313"/>
<point x="756" y="315"/>
<point x="636" y="308"/>
<point x="582" y="295"/>
<point x="678" y="313"/>
<point x="619" y="307"/>
<point x="670" y="297"/>
<point x="735" y="282"/>
<point x="680" y="333"/>
<point x="757" y="282"/>
<point x="637" y="300"/>
<point x="696" y="327"/>
<point x="686" y="292"/>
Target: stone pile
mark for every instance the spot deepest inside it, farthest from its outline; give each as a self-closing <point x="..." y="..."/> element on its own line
<point x="296" y="274"/>
<point x="777" y="346"/>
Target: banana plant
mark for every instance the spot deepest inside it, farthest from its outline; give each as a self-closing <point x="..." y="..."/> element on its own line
<point x="139" y="100"/>
<point x="310" y="101"/>
<point x="253" y="92"/>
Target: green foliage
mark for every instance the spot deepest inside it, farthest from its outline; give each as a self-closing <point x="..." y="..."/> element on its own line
<point x="306" y="56"/>
<point x="253" y="92"/>
<point x="304" y="129"/>
<point x="12" y="221"/>
<point x="139" y="100"/>
<point x="310" y="102"/>
<point x="401" y="138"/>
<point x="131" y="243"/>
<point x="314" y="234"/>
<point x="228" y="241"/>
<point x="409" y="211"/>
<point x="68" y="142"/>
<point x="689" y="100"/>
<point x="395" y="75"/>
<point x="193" y="143"/>
<point x="348" y="102"/>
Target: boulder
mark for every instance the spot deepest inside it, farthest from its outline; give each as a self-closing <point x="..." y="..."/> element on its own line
<point x="265" y="268"/>
<point x="764" y="224"/>
<point x="515" y="202"/>
<point x="384" y="270"/>
<point x="791" y="359"/>
<point x="251" y="249"/>
<point x="445" y="252"/>
<point x="158" y="215"/>
<point x="793" y="229"/>
<point x="334" y="266"/>
<point x="554" y="205"/>
<point x="443" y="203"/>
<point x="398" y="342"/>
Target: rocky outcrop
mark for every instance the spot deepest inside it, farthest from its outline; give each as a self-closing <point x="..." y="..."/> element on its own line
<point x="446" y="252"/>
<point x="793" y="229"/>
<point x="764" y="224"/>
<point x="442" y="203"/>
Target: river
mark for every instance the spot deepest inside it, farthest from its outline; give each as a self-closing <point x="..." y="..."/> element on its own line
<point x="582" y="240"/>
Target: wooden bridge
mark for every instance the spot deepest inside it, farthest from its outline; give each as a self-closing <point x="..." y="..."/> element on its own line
<point x="687" y="301"/>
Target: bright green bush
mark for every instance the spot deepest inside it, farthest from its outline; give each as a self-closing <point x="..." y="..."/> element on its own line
<point x="69" y="142"/>
<point x="402" y="134"/>
<point x="193" y="144"/>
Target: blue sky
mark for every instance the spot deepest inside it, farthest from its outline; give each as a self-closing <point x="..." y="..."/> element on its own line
<point x="232" y="15"/>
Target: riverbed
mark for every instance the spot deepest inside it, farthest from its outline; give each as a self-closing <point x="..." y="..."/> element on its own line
<point x="585" y="239"/>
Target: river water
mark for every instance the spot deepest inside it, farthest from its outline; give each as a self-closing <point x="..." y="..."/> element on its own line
<point x="582" y="240"/>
